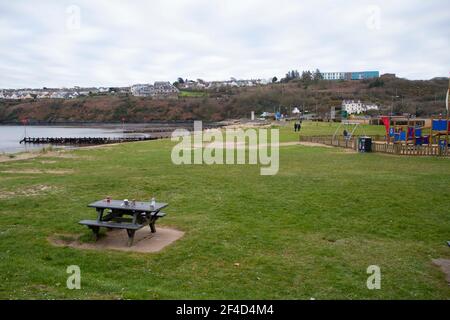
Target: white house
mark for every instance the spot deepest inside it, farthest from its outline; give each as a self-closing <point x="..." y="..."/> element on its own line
<point x="59" y="95"/>
<point x="141" y="90"/>
<point x="357" y="107"/>
<point x="43" y="95"/>
<point x="371" y="107"/>
<point x="295" y="111"/>
<point x="333" y="75"/>
<point x="162" y="88"/>
<point x="73" y="95"/>
<point x="158" y="90"/>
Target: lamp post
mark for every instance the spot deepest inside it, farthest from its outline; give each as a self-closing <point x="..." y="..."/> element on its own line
<point x="392" y="104"/>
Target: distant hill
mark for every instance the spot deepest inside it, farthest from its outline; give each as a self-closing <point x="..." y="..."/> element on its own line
<point x="424" y="97"/>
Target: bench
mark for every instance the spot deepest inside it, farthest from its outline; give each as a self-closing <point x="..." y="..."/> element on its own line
<point x="113" y="217"/>
<point x="121" y="223"/>
<point x="111" y="225"/>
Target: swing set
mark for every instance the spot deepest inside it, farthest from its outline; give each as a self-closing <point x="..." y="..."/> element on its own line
<point x="349" y="127"/>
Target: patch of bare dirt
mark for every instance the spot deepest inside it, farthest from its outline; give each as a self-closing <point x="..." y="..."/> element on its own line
<point x="314" y="144"/>
<point x="238" y="145"/>
<point x="246" y="126"/>
<point x="26" y="192"/>
<point x="59" y="154"/>
<point x="40" y="154"/>
<point x="444" y="264"/>
<point x="102" y="146"/>
<point x="347" y="150"/>
<point x="36" y="171"/>
<point x="144" y="240"/>
<point x="16" y="157"/>
<point x="344" y="150"/>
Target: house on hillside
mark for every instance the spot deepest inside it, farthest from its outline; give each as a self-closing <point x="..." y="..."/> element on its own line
<point x="43" y="95"/>
<point x="160" y="90"/>
<point x="59" y="95"/>
<point x="194" y="85"/>
<point x="388" y="76"/>
<point x="357" y="107"/>
<point x="124" y="90"/>
<point x="164" y="89"/>
<point x="74" y="95"/>
<point x="141" y="90"/>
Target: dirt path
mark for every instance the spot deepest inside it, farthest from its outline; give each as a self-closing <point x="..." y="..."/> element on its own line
<point x="17" y="157"/>
<point x="36" y="171"/>
<point x="30" y="191"/>
<point x="314" y="144"/>
<point x="32" y="155"/>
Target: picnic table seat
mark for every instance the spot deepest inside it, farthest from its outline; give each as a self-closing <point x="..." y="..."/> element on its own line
<point x="119" y="223"/>
<point x="111" y="216"/>
<point x="112" y="225"/>
<point x="130" y="216"/>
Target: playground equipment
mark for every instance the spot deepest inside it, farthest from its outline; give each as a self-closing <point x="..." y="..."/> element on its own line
<point x="349" y="127"/>
<point x="409" y="132"/>
<point x="415" y="132"/>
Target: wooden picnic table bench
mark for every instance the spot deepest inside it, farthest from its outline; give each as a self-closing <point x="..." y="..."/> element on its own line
<point x="139" y="215"/>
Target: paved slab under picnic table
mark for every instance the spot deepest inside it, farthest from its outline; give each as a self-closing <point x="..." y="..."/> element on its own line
<point x="144" y="241"/>
<point x="140" y="214"/>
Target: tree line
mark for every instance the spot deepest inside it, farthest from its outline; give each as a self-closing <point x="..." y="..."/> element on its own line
<point x="306" y="76"/>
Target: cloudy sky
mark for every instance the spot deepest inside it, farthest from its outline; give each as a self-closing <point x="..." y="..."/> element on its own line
<point x="118" y="43"/>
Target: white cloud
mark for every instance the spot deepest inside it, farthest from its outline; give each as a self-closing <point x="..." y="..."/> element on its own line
<point x="120" y="43"/>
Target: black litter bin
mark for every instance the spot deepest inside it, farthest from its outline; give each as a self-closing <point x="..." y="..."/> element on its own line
<point x="365" y="144"/>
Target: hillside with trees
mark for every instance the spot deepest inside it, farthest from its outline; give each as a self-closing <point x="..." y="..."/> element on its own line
<point x="423" y="98"/>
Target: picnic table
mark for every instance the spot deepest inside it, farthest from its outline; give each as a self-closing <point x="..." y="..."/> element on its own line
<point x="118" y="215"/>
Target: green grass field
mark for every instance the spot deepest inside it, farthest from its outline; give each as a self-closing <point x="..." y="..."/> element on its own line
<point x="192" y="94"/>
<point x="309" y="231"/>
<point x="311" y="128"/>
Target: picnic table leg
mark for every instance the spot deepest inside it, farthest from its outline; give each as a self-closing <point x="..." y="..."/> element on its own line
<point x="152" y="226"/>
<point x="95" y="230"/>
<point x="130" y="237"/>
<point x="99" y="214"/>
<point x="152" y="221"/>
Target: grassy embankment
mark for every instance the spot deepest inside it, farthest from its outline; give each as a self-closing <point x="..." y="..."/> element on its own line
<point x="192" y="94"/>
<point x="423" y="98"/>
<point x="309" y="231"/>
